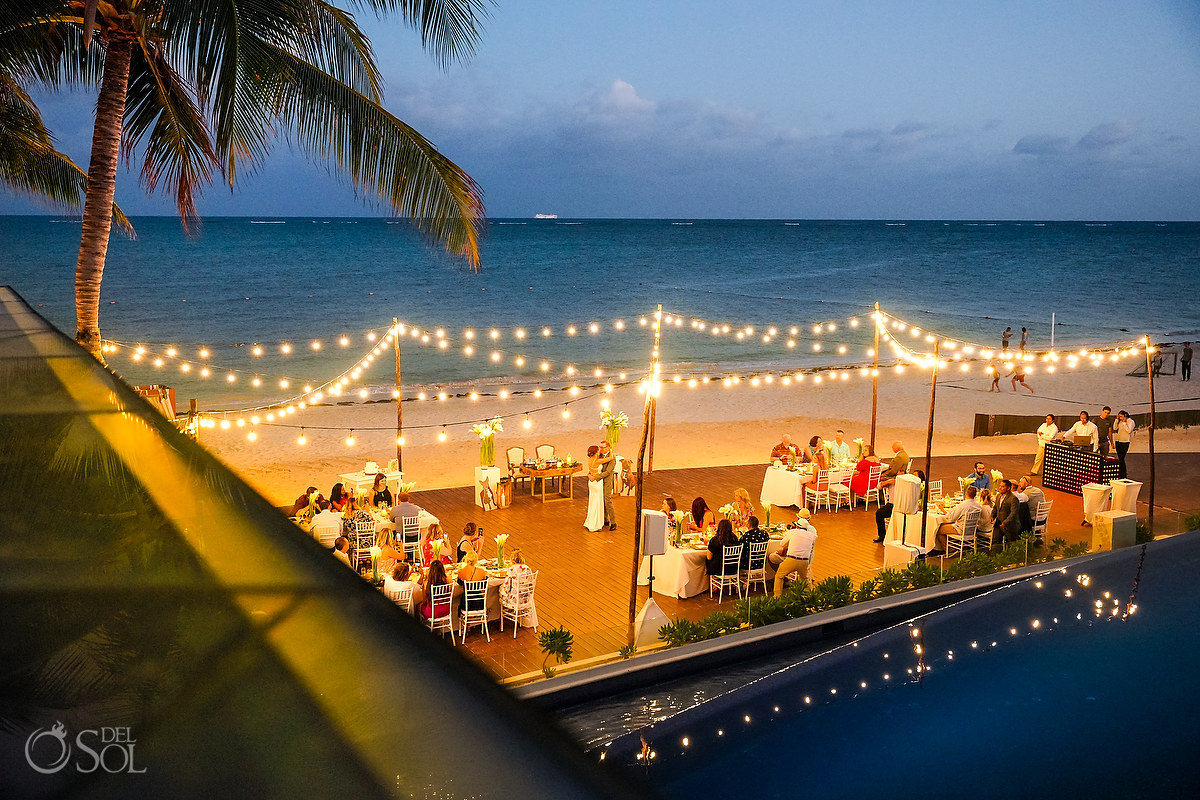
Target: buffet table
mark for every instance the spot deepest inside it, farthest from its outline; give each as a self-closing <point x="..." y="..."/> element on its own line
<point x="1067" y="468"/>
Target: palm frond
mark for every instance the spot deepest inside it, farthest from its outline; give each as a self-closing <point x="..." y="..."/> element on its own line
<point x="449" y="29"/>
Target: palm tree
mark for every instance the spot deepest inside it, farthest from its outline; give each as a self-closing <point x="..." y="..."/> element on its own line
<point x="29" y="162"/>
<point x="201" y="88"/>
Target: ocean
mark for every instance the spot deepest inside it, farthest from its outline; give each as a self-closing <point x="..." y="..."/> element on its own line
<point x="274" y="281"/>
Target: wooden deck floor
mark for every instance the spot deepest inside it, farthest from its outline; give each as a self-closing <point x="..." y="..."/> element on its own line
<point x="584" y="577"/>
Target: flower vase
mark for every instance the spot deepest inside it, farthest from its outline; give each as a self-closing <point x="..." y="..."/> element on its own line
<point x="499" y="556"/>
<point x="612" y="435"/>
<point x="487" y="451"/>
<point x="375" y="570"/>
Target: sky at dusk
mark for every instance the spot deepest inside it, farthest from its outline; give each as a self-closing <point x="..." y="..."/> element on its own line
<point x="875" y="110"/>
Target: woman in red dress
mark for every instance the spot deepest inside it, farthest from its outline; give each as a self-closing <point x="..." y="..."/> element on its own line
<point x="859" y="484"/>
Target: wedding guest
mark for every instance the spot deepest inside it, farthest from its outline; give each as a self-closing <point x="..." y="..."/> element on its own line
<point x="1045" y="433"/>
<point x="304" y="501"/>
<point x="1033" y="500"/>
<point x="795" y="553"/>
<point x="669" y="508"/>
<point x="380" y="493"/>
<point x="716" y="547"/>
<point x="435" y="534"/>
<point x="988" y="512"/>
<point x="860" y="483"/>
<point x="815" y="453"/>
<point x="884" y="512"/>
<point x="423" y="596"/>
<point x="898" y="465"/>
<point x="703" y="518"/>
<point x="399" y="579"/>
<point x="470" y="570"/>
<point x="516" y="570"/>
<point x="753" y="534"/>
<point x="743" y="506"/>
<point x="956" y="521"/>
<point x="839" y="450"/>
<point x="357" y="511"/>
<point x="402" y="509"/>
<point x="785" y="449"/>
<point x="338" y="497"/>
<point x="471" y="541"/>
<point x="327" y="524"/>
<point x="1006" y="516"/>
<point x="1122" y="436"/>
<point x="341" y="549"/>
<point x="980" y="478"/>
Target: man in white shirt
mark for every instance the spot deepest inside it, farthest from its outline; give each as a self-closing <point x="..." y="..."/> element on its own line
<point x="1033" y="497"/>
<point x="839" y="450"/>
<point x="405" y="508"/>
<point x="956" y="520"/>
<point x="327" y="524"/>
<point x="795" y="553"/>
<point x="1083" y="428"/>
<point x="1045" y="433"/>
<point x="341" y="549"/>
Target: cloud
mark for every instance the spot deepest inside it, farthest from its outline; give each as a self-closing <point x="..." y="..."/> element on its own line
<point x="1041" y="144"/>
<point x="622" y="98"/>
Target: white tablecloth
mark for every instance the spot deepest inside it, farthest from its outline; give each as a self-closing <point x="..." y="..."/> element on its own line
<point x="782" y="487"/>
<point x="682" y="572"/>
<point x="1125" y="495"/>
<point x="364" y="480"/>
<point x="898" y="522"/>
<point x="1095" y="499"/>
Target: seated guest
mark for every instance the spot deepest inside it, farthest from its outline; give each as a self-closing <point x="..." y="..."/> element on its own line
<point x="1034" y="497"/>
<point x="435" y="534"/>
<point x="988" y="512"/>
<point x="338" y="497"/>
<point x="786" y="449"/>
<point x="839" y="450"/>
<point x="743" y="507"/>
<point x="815" y="453"/>
<point x="716" y="547"/>
<point x="515" y="571"/>
<point x="471" y="542"/>
<point x="956" y="520"/>
<point x="669" y="508"/>
<point x="794" y="553"/>
<point x="753" y="534"/>
<point x="884" y="512"/>
<point x="860" y="483"/>
<point x="423" y="597"/>
<point x="703" y="518"/>
<point x="356" y="512"/>
<point x="405" y="508"/>
<point x="380" y="493"/>
<point x="470" y="570"/>
<point x="327" y="524"/>
<point x="399" y="579"/>
<point x="980" y="478"/>
<point x="341" y="549"/>
<point x="898" y="466"/>
<point x="304" y="501"/>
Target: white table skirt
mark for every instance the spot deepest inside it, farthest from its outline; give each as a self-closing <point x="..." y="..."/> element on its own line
<point x="898" y="522"/>
<point x="782" y="487"/>
<point x="1095" y="499"/>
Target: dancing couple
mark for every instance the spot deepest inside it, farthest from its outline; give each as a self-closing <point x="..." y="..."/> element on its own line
<point x="602" y="463"/>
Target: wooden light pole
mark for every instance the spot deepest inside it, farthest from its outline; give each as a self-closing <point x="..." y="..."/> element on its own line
<point x="929" y="440"/>
<point x="399" y="398"/>
<point x="647" y="444"/>
<point x="654" y="367"/>
<point x="1150" y="379"/>
<point x="875" y="376"/>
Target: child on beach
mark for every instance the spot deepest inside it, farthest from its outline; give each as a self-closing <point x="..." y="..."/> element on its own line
<point x="995" y="370"/>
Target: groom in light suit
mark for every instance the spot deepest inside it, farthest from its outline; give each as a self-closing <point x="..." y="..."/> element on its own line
<point x="606" y="469"/>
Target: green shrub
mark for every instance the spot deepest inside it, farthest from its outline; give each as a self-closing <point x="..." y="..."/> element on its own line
<point x="1192" y="522"/>
<point x="921" y="574"/>
<point x="717" y="623"/>
<point x="1077" y="549"/>
<point x="891" y="581"/>
<point x="557" y="642"/>
<point x="866" y="590"/>
<point x="833" y="592"/>
<point x="1143" y="533"/>
<point x="763" y="610"/>
<point x="681" y="631"/>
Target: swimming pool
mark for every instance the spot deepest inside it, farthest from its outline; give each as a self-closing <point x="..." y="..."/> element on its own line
<point x="1078" y="680"/>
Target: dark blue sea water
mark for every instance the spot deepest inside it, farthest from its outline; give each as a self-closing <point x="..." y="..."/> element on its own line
<point x="244" y="281"/>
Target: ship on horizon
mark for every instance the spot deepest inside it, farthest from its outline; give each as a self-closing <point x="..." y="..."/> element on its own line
<point x="545" y="216"/>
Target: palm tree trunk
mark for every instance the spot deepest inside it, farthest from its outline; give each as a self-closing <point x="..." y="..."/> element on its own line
<point x="101" y="189"/>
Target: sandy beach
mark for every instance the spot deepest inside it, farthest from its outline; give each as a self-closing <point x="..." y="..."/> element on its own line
<point x="706" y="426"/>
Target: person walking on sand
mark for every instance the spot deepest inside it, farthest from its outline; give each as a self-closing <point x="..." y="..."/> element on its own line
<point x="1018" y="376"/>
<point x="1004" y="337"/>
<point x="995" y="370"/>
<point x="1185" y="362"/>
<point x="1024" y="338"/>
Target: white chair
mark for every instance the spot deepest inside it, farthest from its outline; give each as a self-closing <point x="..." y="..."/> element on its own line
<point x="1042" y="519"/>
<point x="873" y="473"/>
<point x="412" y="552"/>
<point x="544" y="452"/>
<point x="838" y="490"/>
<point x="410" y="530"/>
<point x="731" y="562"/>
<point x="474" y="607"/>
<point x="935" y="491"/>
<point x="756" y="569"/>
<point x="440" y="597"/>
<point x="820" y="493"/>
<point x="519" y="601"/>
<point x="403" y="598"/>
<point x="364" y="540"/>
<point x="328" y="534"/>
<point x="516" y="457"/>
<point x="983" y="539"/>
<point x="961" y="542"/>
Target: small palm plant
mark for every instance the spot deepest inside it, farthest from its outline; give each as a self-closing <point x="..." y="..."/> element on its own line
<point x="555" y="642"/>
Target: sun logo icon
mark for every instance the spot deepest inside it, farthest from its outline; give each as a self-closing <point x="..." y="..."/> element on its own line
<point x="58" y="733"/>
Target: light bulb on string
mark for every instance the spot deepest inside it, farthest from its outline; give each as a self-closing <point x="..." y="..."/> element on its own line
<point x="350" y="439"/>
<point x="302" y="439"/>
<point x="442" y="434"/>
<point x="527" y="423"/>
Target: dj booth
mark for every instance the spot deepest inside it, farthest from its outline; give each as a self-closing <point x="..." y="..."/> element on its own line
<point x="1068" y="467"/>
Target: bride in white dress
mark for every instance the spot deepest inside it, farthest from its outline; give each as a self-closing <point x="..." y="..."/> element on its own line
<point x="595" y="512"/>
